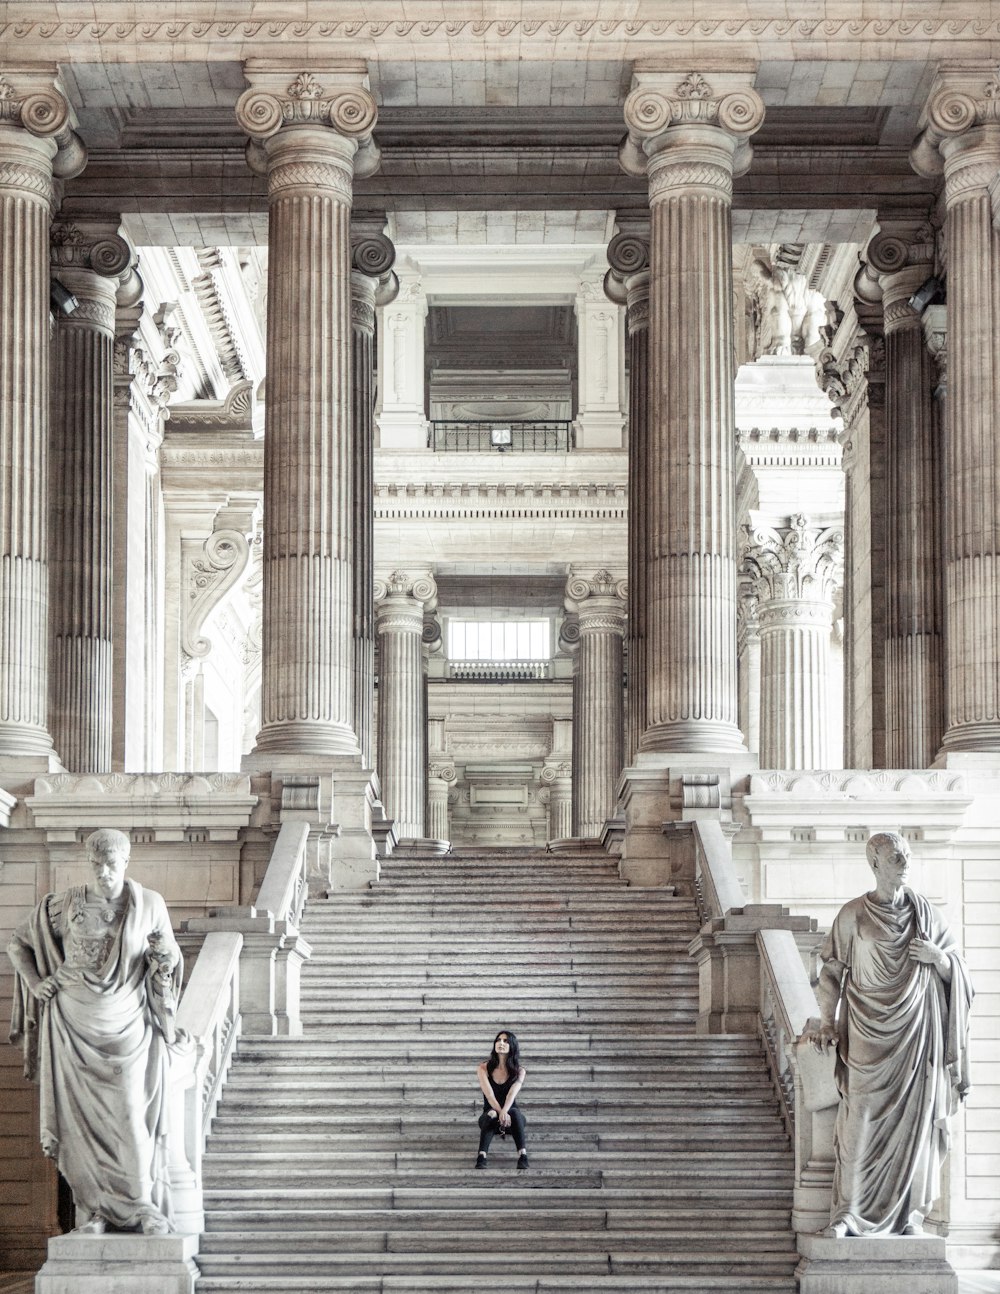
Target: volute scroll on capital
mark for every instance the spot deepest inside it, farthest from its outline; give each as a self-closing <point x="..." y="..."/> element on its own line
<point x="43" y="111"/>
<point x="965" y="102"/>
<point x="110" y="256"/>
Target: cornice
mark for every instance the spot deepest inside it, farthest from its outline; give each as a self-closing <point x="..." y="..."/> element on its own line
<point x="481" y="502"/>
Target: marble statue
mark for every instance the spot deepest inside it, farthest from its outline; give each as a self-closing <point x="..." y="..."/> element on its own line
<point x="98" y="972"/>
<point x="894" y="995"/>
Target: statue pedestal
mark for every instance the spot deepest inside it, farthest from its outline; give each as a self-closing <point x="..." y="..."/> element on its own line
<point x="119" y="1264"/>
<point x="875" y="1265"/>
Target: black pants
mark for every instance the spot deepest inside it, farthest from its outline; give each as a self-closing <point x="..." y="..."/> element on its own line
<point x="516" y="1129"/>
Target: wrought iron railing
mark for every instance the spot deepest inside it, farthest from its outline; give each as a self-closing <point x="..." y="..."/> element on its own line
<point x="501" y="437"/>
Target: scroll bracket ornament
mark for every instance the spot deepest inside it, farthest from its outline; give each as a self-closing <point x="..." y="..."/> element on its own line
<point x="212" y="574"/>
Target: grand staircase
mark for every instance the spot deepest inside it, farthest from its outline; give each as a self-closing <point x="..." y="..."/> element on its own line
<point x="344" y="1160"/>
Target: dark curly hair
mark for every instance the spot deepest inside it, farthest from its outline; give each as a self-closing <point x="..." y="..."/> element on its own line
<point x="513" y="1059"/>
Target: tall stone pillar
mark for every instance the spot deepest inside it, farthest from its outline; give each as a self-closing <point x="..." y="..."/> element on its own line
<point x="748" y="654"/>
<point x="599" y="603"/>
<point x="794" y="572"/>
<point x="903" y="258"/>
<point x="557" y="789"/>
<point x="962" y="138"/>
<point x="399" y="614"/>
<point x="372" y="283"/>
<point x="310" y="134"/>
<point x="691" y="137"/>
<point x="37" y="147"/>
<point x="90" y="261"/>
<point x="628" y="256"/>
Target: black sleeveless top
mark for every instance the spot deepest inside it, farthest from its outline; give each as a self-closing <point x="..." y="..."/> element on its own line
<point x="500" y="1090"/>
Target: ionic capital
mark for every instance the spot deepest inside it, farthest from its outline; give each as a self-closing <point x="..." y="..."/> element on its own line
<point x="373" y="282"/>
<point x="330" y="98"/>
<point x="663" y="106"/>
<point x="961" y="133"/>
<point x="901" y="256"/>
<point x="31" y="99"/>
<point x="795" y="563"/>
<point x="598" y="601"/>
<point x="627" y="280"/>
<point x="401" y="601"/>
<point x="443" y="770"/>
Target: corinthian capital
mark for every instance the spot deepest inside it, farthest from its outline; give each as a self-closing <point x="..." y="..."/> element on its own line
<point x="662" y="100"/>
<point x="31" y="99"/>
<point x="795" y="563"/>
<point x="334" y="96"/>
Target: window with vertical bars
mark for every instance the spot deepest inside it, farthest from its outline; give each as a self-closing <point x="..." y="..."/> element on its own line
<point x="499" y="640"/>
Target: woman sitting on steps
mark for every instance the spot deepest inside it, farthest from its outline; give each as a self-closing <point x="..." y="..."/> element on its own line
<point x="500" y="1078"/>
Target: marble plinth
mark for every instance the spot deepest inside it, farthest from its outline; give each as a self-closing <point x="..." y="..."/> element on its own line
<point x="119" y="1264"/>
<point x="875" y="1265"/>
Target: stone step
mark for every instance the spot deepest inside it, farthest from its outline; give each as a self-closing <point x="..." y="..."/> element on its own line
<point x="482" y="1265"/>
<point x="633" y="1283"/>
<point x="612" y="1099"/>
<point x="433" y="1167"/>
<point x="720" y="1243"/>
<point x="611" y="1048"/>
<point x="753" y="1223"/>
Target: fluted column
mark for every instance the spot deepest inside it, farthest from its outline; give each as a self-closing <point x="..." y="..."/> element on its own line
<point x="372" y="283"/>
<point x="440" y="781"/>
<point x="628" y="256"/>
<point x="399" y="615"/>
<point x="310" y="134"/>
<point x="599" y="603"/>
<point x="903" y="258"/>
<point x="691" y="138"/>
<point x="794" y="571"/>
<point x="90" y="262"/>
<point x="962" y="138"/>
<point x="36" y="147"/>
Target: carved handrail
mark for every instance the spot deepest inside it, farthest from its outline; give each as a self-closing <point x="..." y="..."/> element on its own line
<point x="716" y="882"/>
<point x="284" y="889"/>
<point x="208" y="1024"/>
<point x="787" y="1003"/>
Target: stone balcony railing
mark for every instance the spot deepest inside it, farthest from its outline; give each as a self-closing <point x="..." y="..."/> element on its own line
<point x="554" y="437"/>
<point x="498" y="671"/>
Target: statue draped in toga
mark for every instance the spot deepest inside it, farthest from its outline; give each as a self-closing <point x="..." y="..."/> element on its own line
<point x="98" y="971"/>
<point x="895" y="995"/>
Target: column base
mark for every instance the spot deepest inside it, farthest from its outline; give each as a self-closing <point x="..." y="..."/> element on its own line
<point x="423" y="847"/>
<point x="971" y="738"/>
<point x="699" y="737"/>
<point x="119" y="1264"/>
<point x="308" y="743"/>
<point x="874" y="1265"/>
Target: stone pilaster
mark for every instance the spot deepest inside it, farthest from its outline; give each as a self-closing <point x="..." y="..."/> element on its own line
<point x="400" y="601"/>
<point x="794" y="572"/>
<point x="599" y="603"/>
<point x="599" y="361"/>
<point x="401" y="416"/>
<point x="691" y="137"/>
<point x="37" y="147"/>
<point x="90" y="261"/>
<point x="628" y="256"/>
<point x="372" y="283"/>
<point x="903" y="258"/>
<point x="748" y="656"/>
<point x="852" y="374"/>
<point x="310" y="134"/>
<point x="962" y="139"/>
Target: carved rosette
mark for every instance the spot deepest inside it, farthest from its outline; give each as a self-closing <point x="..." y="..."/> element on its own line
<point x="797" y="564"/>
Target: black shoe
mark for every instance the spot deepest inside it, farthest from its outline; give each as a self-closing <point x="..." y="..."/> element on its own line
<point x="522" y="1161"/>
<point x="480" y="1161"/>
